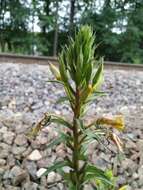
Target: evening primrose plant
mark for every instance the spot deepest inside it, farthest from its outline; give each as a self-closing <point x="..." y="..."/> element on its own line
<point x="80" y="74"/>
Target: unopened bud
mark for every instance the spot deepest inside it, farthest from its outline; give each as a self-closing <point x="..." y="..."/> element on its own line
<point x="55" y="71"/>
<point x="90" y="89"/>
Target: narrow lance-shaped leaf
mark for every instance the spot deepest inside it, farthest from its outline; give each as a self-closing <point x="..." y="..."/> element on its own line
<point x="93" y="172"/>
<point x="62" y="99"/>
<point x="98" y="78"/>
<point x="56" y="166"/>
<point x="60" y="120"/>
<point x="62" y="68"/>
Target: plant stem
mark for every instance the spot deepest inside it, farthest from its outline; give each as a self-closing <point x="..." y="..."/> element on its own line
<point x="76" y="144"/>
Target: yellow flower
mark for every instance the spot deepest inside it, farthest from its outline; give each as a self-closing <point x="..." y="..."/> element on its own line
<point x="55" y="71"/>
<point x="117" y="122"/>
<point x="90" y="89"/>
<point x="123" y="188"/>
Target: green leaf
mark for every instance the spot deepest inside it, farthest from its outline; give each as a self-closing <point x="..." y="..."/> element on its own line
<point x="72" y="187"/>
<point x="93" y="172"/>
<point x="98" y="78"/>
<point x="94" y="97"/>
<point x="60" y="120"/>
<point x="56" y="81"/>
<point x="62" y="67"/>
<point x="65" y="138"/>
<point x="55" y="142"/>
<point x="62" y="99"/>
<point x="56" y="166"/>
<point x="88" y="72"/>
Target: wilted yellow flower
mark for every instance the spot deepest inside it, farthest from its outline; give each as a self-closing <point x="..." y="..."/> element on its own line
<point x="116" y="141"/>
<point x="117" y="123"/>
<point x="55" y="71"/>
<point x="34" y="131"/>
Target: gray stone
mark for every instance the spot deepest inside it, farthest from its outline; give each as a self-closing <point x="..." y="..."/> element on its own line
<point x="16" y="150"/>
<point x="42" y="188"/>
<point x="98" y="161"/>
<point x="131" y="145"/>
<point x="140" y="173"/>
<point x="128" y="164"/>
<point x="134" y="185"/>
<point x="27" y="152"/>
<point x="29" y="186"/>
<point x="6" y="175"/>
<point x="21" y="128"/>
<point x="4" y="150"/>
<point x="11" y="160"/>
<point x="42" y="139"/>
<point x="20" y="140"/>
<point x="121" y="180"/>
<point x="44" y="162"/>
<point x="140" y="145"/>
<point x="2" y="162"/>
<point x="2" y="170"/>
<point x="43" y="181"/>
<point x="31" y="167"/>
<point x="9" y="187"/>
<point x="31" y="91"/>
<point x="17" y="175"/>
<point x="3" y="130"/>
<point x="8" y="137"/>
<point x="88" y="187"/>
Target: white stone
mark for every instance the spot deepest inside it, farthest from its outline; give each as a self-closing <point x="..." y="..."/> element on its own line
<point x="3" y="129"/>
<point x="35" y="155"/>
<point x="40" y="172"/>
<point x="51" y="177"/>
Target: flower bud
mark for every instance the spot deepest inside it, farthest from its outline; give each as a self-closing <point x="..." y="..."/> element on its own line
<point x="90" y="89"/>
<point x="55" y="71"/>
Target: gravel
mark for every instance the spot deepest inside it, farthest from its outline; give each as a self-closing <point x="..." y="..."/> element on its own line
<point x="25" y="96"/>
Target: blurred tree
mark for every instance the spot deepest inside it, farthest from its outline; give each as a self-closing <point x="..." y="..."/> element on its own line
<point x="14" y="26"/>
<point x="132" y="38"/>
<point x="72" y="14"/>
<point x="43" y="26"/>
<point x="102" y="22"/>
<point x="56" y="29"/>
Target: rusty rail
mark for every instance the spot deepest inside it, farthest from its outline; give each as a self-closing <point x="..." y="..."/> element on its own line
<point x="43" y="60"/>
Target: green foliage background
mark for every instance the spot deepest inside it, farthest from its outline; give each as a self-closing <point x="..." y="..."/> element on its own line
<point x="118" y="26"/>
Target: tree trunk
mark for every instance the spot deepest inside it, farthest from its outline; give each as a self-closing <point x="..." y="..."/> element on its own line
<point x="46" y="11"/>
<point x="56" y="30"/>
<point x="2" y="26"/>
<point x="33" y="22"/>
<point x="72" y="13"/>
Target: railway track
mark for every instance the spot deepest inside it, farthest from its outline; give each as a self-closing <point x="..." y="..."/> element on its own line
<point x="43" y="60"/>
